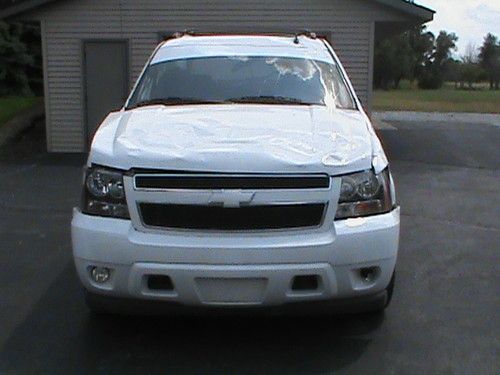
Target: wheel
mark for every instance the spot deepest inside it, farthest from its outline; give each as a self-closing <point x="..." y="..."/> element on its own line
<point x="390" y="289"/>
<point x="103" y="306"/>
<point x="96" y="304"/>
<point x="379" y="307"/>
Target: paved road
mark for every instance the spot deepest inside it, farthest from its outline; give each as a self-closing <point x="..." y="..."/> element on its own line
<point x="444" y="317"/>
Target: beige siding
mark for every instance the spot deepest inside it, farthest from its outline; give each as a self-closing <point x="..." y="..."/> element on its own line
<point x="67" y="23"/>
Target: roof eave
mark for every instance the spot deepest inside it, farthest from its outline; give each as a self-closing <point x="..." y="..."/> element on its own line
<point x="21" y="7"/>
<point x="423" y="14"/>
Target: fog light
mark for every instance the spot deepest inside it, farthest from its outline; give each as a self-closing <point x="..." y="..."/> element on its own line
<point x="100" y="274"/>
<point x="369" y="274"/>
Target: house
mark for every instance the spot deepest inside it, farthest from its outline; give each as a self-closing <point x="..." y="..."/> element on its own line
<point x="94" y="50"/>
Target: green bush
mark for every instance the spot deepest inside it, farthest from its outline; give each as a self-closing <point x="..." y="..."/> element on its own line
<point x="431" y="78"/>
<point x="20" y="59"/>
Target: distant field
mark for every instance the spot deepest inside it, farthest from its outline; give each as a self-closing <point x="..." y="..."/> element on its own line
<point x="11" y="106"/>
<point x="447" y="99"/>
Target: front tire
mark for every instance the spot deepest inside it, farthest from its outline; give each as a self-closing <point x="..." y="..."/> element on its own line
<point x="379" y="309"/>
<point x="390" y="290"/>
<point x="97" y="304"/>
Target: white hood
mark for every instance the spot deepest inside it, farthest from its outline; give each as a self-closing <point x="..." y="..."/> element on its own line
<point x="238" y="138"/>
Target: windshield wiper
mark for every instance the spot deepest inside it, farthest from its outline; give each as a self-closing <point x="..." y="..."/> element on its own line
<point x="174" y="101"/>
<point x="268" y="99"/>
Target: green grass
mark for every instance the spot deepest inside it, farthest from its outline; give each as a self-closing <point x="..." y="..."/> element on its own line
<point x="447" y="99"/>
<point x="11" y="106"/>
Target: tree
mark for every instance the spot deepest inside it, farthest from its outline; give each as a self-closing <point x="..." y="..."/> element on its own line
<point x="422" y="45"/>
<point x="445" y="44"/>
<point x="393" y="62"/>
<point x="432" y="76"/>
<point x="30" y="36"/>
<point x="489" y="57"/>
<point x="470" y="56"/>
<point x="402" y="56"/>
<point x="470" y="70"/>
<point x="454" y="72"/>
<point x="15" y="60"/>
<point x="383" y="58"/>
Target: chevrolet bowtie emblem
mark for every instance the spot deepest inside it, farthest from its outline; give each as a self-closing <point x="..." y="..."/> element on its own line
<point x="231" y="198"/>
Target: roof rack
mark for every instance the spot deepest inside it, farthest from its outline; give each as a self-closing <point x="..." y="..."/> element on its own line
<point x="188" y="32"/>
<point x="306" y="33"/>
<point x="180" y="34"/>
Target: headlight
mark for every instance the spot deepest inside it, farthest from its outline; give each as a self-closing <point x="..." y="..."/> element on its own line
<point x="364" y="194"/>
<point x="104" y="194"/>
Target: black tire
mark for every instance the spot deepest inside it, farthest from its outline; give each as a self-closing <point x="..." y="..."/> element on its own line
<point x="108" y="306"/>
<point x="378" y="308"/>
<point x="96" y="305"/>
<point x="390" y="289"/>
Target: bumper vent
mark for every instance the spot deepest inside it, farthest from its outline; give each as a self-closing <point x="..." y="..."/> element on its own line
<point x="232" y="219"/>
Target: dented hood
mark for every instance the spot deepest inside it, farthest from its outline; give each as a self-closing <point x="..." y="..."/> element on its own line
<point x="237" y="138"/>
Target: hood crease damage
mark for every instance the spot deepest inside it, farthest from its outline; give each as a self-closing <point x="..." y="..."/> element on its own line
<point x="239" y="138"/>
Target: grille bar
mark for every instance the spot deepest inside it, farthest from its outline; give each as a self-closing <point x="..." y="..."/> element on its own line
<point x="229" y="218"/>
<point x="211" y="182"/>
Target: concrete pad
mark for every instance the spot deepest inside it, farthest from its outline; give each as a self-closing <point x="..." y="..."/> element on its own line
<point x="449" y="117"/>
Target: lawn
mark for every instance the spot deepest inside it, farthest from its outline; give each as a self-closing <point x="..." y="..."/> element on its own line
<point x="447" y="99"/>
<point x="11" y="106"/>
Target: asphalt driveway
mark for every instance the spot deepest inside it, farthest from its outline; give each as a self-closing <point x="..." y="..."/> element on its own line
<point x="444" y="318"/>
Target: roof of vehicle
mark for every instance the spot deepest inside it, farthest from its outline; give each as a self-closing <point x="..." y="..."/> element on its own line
<point x="193" y="46"/>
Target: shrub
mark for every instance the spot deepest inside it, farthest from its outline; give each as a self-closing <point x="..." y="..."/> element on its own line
<point x="431" y="78"/>
<point x="20" y="59"/>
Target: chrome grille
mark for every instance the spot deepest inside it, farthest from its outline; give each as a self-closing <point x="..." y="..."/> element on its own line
<point x="228" y="202"/>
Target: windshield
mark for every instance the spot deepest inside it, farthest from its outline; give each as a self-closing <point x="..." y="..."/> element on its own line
<point x="242" y="79"/>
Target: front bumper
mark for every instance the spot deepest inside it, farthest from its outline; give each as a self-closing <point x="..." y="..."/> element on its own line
<point x="237" y="269"/>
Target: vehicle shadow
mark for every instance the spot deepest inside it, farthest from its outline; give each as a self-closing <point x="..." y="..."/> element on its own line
<point x="61" y="336"/>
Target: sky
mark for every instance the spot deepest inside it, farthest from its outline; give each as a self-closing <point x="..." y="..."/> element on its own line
<point x="471" y="20"/>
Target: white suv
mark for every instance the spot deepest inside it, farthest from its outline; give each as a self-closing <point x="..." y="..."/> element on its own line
<point x="241" y="173"/>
